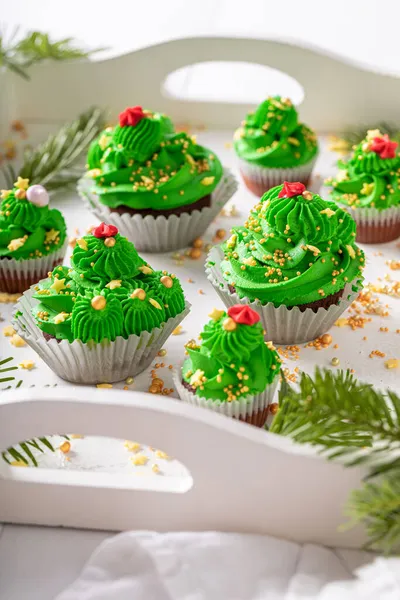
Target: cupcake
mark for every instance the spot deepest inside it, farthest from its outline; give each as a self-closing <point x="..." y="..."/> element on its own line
<point x="159" y="187"/>
<point x="368" y="187"/>
<point x="33" y="237"/>
<point x="233" y="370"/>
<point x="272" y="146"/>
<point x="294" y="261"/>
<point x="106" y="316"/>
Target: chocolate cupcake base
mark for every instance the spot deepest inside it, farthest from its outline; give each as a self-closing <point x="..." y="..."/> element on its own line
<point x="252" y="410"/>
<point x="16" y="276"/>
<point x="377" y="234"/>
<point x="375" y="226"/>
<point x="179" y="210"/>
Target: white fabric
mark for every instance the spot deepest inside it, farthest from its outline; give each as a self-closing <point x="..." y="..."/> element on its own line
<point x="225" y="566"/>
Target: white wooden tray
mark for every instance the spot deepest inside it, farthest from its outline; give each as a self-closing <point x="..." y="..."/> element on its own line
<point x="241" y="479"/>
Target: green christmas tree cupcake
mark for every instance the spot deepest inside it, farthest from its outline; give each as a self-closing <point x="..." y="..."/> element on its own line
<point x="106" y="316"/>
<point x="294" y="261"/>
<point x="272" y="146"/>
<point x="233" y="370"/>
<point x="368" y="186"/>
<point x="159" y="187"/>
<point x="33" y="237"/>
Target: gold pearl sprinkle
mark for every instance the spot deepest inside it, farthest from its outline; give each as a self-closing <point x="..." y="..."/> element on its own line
<point x="109" y="242"/>
<point x="167" y="281"/>
<point x="139" y="293"/>
<point x="229" y="324"/>
<point x="98" y="302"/>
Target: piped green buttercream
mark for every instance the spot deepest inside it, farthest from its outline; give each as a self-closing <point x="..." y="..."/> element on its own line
<point x="366" y="180"/>
<point x="104" y="294"/>
<point x="151" y="166"/>
<point x="228" y="365"/>
<point x="292" y="251"/>
<point x="272" y="136"/>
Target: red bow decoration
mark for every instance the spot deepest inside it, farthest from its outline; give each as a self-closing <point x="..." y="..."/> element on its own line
<point x="105" y="231"/>
<point x="243" y="314"/>
<point x="384" y="147"/>
<point x="291" y="189"/>
<point x="131" y="116"/>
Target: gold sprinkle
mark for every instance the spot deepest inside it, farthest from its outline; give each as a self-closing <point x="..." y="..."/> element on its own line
<point x="392" y="363"/>
<point x="17" y="341"/>
<point x="27" y="364"/>
<point x="155" y="303"/>
<point x="82" y="243"/>
<point x="65" y="447"/>
<point x="207" y="180"/>
<point x="113" y="284"/>
<point x="132" y="446"/>
<point x="177" y="330"/>
<point x="104" y="386"/>
<point x="139" y="461"/>
<point x="9" y="331"/>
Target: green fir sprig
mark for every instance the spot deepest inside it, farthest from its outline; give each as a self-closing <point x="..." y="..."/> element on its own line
<point x="55" y="163"/>
<point x="351" y="421"/>
<point x="18" y="55"/>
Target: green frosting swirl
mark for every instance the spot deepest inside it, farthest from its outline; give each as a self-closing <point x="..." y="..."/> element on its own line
<point x="89" y="324"/>
<point x="172" y="297"/>
<point x="292" y="251"/>
<point x="150" y="166"/>
<point x="65" y="308"/>
<point x="366" y="180"/>
<point x="99" y="262"/>
<point x="229" y="365"/>
<point x="272" y="136"/>
<point x="29" y="231"/>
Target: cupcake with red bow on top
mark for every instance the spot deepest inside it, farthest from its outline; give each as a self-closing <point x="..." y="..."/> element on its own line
<point x="104" y="317"/>
<point x="33" y="237"/>
<point x="294" y="261"/>
<point x="368" y="187"/>
<point x="159" y="187"/>
<point x="232" y="370"/>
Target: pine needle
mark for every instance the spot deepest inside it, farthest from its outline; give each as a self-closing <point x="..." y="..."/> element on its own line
<point x="351" y="421"/>
<point x="55" y="162"/>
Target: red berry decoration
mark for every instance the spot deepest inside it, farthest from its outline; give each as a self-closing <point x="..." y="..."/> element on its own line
<point x="291" y="189"/>
<point x="384" y="147"/>
<point x="243" y="314"/>
<point x="105" y="231"/>
<point x="131" y="116"/>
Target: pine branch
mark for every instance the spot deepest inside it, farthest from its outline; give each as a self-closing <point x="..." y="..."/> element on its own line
<point x="350" y="420"/>
<point x="35" y="48"/>
<point x="55" y="162"/>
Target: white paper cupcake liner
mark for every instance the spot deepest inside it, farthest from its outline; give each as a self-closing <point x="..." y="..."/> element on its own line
<point x="243" y="408"/>
<point x="31" y="269"/>
<point x="267" y="178"/>
<point x="283" y="325"/>
<point x="105" y="362"/>
<point x="372" y="216"/>
<point x="161" y="234"/>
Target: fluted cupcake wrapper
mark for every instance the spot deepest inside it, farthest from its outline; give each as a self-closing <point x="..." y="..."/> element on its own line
<point x="252" y="409"/>
<point x="376" y="226"/>
<point x="260" y="179"/>
<point x="282" y="325"/>
<point x="19" y="275"/>
<point x="105" y="362"/>
<point x="161" y="234"/>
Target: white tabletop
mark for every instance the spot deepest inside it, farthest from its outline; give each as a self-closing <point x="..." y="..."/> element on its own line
<point x="36" y="562"/>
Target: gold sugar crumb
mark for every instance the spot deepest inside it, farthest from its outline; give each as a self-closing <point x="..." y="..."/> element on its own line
<point x="156" y="469"/>
<point x="341" y="322"/>
<point x="76" y="436"/>
<point x="162" y="455"/>
<point x="9" y="331"/>
<point x="9" y="298"/>
<point x="132" y="446"/>
<point x="17" y="341"/>
<point x="392" y="363"/>
<point x="27" y="364"/>
<point x="65" y="447"/>
<point x="105" y="386"/>
<point x="139" y="461"/>
<point x="177" y="330"/>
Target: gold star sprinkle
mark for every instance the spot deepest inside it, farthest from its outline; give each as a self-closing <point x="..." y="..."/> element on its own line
<point x="313" y="249"/>
<point x="113" y="284"/>
<point x="328" y="212"/>
<point x="351" y="251"/>
<point x="9" y="331"/>
<point x="4" y="194"/>
<point x="145" y="270"/>
<point x="155" y="303"/>
<point x="22" y="184"/>
<point x="82" y="243"/>
<point x="17" y="243"/>
<point x="207" y="180"/>
<point x="177" y="330"/>
<point x="58" y="285"/>
<point x="373" y="133"/>
<point x="139" y="461"/>
<point x="197" y="378"/>
<point x="103" y="142"/>
<point x="132" y="446"/>
<point x="60" y="318"/>
<point x="27" y="364"/>
<point x="17" y="341"/>
<point x="367" y="189"/>
<point x="392" y="363"/>
<point x="51" y="236"/>
<point x="216" y="314"/>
